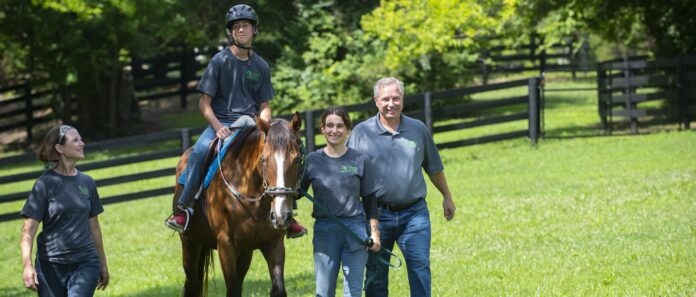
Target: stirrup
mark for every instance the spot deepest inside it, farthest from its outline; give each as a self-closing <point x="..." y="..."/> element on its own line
<point x="176" y="226"/>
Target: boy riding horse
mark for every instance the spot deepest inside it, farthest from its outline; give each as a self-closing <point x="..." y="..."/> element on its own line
<point x="235" y="86"/>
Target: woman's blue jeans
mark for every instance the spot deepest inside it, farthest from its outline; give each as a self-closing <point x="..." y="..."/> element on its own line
<point x="334" y="248"/>
<point x="67" y="280"/>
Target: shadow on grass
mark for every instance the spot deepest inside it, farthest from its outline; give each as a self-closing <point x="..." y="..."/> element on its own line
<point x="301" y="285"/>
<point x="575" y="131"/>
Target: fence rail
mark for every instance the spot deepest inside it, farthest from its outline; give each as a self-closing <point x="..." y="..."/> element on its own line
<point x="623" y="86"/>
<point x="469" y="114"/>
<point x="532" y="56"/>
<point x="175" y="74"/>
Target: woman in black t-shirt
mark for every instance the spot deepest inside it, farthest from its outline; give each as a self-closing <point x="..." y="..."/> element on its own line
<point x="70" y="259"/>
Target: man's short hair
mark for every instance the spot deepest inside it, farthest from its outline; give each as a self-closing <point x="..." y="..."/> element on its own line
<point x="388" y="81"/>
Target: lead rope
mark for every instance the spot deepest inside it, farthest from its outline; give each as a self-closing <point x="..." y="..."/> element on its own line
<point x="368" y="242"/>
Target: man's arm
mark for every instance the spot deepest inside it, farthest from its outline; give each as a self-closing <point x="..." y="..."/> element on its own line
<point x="438" y="179"/>
<point x="265" y="111"/>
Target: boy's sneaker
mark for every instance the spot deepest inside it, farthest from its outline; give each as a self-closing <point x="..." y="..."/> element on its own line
<point x="178" y="221"/>
<point x="295" y="230"/>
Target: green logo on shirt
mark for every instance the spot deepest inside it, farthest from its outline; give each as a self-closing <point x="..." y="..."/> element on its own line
<point x="255" y="76"/>
<point x="349" y="169"/>
<point x="83" y="190"/>
<point x="411" y="144"/>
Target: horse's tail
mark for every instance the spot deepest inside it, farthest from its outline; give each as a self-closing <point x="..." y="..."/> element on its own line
<point x="208" y="261"/>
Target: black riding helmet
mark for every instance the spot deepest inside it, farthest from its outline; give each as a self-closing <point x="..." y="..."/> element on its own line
<point x="242" y="12"/>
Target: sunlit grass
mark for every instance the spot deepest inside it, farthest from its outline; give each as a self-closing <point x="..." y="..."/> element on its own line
<point x="572" y="216"/>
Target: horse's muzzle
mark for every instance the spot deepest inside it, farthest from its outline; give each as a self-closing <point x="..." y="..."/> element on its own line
<point x="281" y="222"/>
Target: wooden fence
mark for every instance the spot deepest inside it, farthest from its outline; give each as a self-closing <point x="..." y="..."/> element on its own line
<point x="176" y="74"/>
<point x="625" y="88"/>
<point x="531" y="56"/>
<point x="24" y="107"/>
<point x="170" y="75"/>
<point x="464" y="114"/>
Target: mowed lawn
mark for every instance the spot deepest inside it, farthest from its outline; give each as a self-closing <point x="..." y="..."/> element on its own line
<point x="573" y="216"/>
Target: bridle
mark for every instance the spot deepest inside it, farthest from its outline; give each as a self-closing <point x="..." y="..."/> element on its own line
<point x="267" y="190"/>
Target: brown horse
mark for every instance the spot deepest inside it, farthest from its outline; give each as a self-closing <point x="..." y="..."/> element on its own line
<point x="247" y="206"/>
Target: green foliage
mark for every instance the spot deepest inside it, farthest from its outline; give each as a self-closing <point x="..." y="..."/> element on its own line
<point x="412" y="29"/>
<point x="425" y="43"/>
<point x="329" y="65"/>
<point x="661" y="27"/>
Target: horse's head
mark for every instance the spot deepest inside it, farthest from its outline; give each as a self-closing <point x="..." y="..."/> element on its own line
<point x="282" y="158"/>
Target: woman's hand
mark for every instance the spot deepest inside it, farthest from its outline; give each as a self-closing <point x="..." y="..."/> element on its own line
<point x="103" y="278"/>
<point x="31" y="281"/>
<point x="376" y="243"/>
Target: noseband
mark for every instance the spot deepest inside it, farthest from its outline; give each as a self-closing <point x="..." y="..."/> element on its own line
<point x="278" y="191"/>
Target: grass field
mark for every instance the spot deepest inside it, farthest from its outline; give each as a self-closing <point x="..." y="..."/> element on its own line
<point x="573" y="216"/>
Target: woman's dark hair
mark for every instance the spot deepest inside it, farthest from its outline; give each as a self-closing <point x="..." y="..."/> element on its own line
<point x="47" y="151"/>
<point x="339" y="111"/>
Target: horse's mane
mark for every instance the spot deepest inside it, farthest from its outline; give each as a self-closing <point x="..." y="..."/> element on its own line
<point x="280" y="137"/>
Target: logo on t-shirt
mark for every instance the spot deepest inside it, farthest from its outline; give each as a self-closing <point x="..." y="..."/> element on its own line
<point x="349" y="169"/>
<point x="411" y="144"/>
<point x="255" y="76"/>
<point x="83" y="190"/>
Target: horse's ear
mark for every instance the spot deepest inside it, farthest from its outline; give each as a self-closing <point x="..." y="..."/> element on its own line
<point x="261" y="124"/>
<point x="296" y="123"/>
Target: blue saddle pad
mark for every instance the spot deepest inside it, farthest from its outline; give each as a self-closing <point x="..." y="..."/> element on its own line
<point x="210" y="172"/>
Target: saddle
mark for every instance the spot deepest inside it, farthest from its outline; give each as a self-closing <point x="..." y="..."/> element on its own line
<point x="211" y="165"/>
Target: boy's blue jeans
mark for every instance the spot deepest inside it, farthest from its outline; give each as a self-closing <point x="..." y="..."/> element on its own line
<point x="197" y="157"/>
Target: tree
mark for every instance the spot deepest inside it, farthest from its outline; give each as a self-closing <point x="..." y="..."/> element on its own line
<point x="425" y="43"/>
<point x="663" y="27"/>
<point x="82" y="46"/>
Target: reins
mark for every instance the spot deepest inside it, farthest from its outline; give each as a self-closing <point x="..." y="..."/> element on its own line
<point x="232" y="190"/>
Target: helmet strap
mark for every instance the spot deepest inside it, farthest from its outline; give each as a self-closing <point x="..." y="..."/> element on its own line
<point x="241" y="46"/>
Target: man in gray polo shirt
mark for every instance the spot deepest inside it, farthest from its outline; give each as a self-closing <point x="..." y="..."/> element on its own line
<point x="399" y="146"/>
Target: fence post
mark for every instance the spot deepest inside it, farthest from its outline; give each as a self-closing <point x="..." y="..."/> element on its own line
<point x="309" y="130"/>
<point x="532" y="47"/>
<point x="484" y="67"/>
<point x="28" y="110"/>
<point x="584" y="50"/>
<point x="602" y="107"/>
<point x="185" y="139"/>
<point x="542" y="58"/>
<point x="571" y="56"/>
<point x="428" y="111"/>
<point x="682" y="89"/>
<point x="533" y="93"/>
<point x="183" y="77"/>
<point x="629" y="97"/>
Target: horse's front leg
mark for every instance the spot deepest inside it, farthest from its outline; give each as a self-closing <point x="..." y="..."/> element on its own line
<point x="228" y="252"/>
<point x="274" y="253"/>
